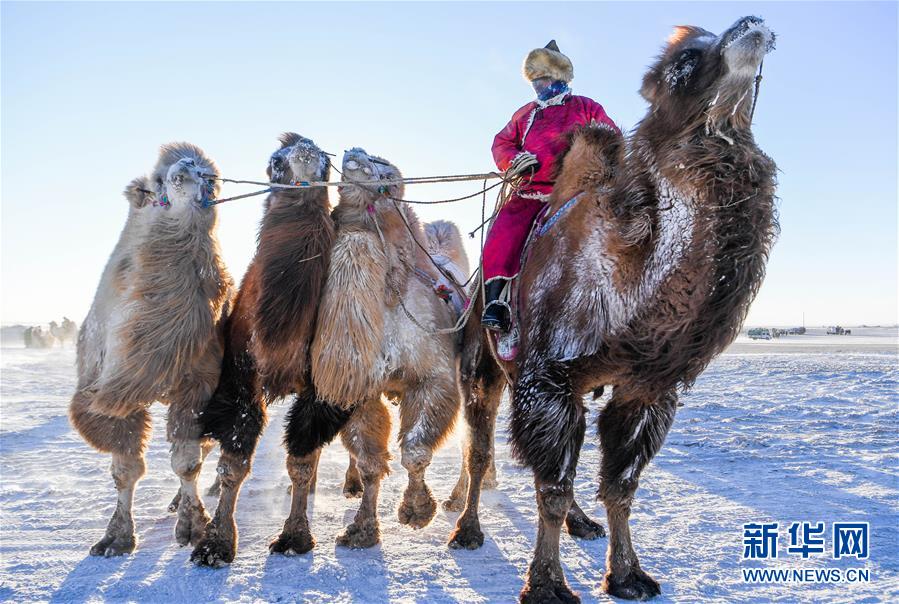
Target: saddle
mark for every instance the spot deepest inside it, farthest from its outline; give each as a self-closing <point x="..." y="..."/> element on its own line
<point x="507" y="343"/>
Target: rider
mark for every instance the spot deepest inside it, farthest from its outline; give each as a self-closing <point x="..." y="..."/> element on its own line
<point x="528" y="145"/>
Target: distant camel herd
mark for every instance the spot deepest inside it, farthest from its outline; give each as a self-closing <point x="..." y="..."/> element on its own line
<point x="645" y="278"/>
<point x="38" y="336"/>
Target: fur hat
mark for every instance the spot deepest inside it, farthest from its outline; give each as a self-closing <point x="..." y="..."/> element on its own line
<point x="547" y="62"/>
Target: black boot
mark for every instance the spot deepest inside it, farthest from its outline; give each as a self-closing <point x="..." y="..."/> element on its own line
<point x="496" y="315"/>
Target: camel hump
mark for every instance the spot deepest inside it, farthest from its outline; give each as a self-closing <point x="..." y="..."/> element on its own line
<point x="445" y="239"/>
<point x="594" y="152"/>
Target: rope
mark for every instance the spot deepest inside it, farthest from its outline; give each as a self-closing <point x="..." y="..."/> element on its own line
<point x="439" y="201"/>
<point x="215" y="202"/>
<point x="755" y="96"/>
<point x="421" y="180"/>
<point x="460" y="323"/>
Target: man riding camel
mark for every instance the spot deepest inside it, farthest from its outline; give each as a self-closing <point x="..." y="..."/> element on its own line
<point x="528" y="146"/>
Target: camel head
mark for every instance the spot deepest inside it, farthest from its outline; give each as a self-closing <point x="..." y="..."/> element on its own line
<point x="184" y="179"/>
<point x="360" y="167"/>
<point x="704" y="79"/>
<point x="298" y="160"/>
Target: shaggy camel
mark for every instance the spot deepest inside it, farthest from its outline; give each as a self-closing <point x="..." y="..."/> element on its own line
<point x="154" y="333"/>
<point x="659" y="247"/>
<point x="367" y="346"/>
<point x="270" y="329"/>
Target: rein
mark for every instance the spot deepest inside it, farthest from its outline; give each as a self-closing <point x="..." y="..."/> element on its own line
<point x="758" y="85"/>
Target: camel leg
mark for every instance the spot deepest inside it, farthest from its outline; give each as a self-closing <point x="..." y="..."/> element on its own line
<point x="481" y="404"/>
<point x="581" y="526"/>
<point x="192" y="517"/>
<point x="296" y="537"/>
<point x="365" y="437"/>
<point x="311" y="424"/>
<point x="213" y="491"/>
<point x="631" y="432"/>
<point x="547" y="431"/>
<point x="235" y="416"/>
<point x="427" y="413"/>
<point x="352" y="483"/>
<point x="187" y="404"/>
<point x="126" y="438"/>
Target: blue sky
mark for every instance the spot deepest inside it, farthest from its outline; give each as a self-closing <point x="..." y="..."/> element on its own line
<point x="90" y="91"/>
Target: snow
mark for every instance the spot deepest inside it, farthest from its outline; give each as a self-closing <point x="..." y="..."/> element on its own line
<point x="803" y="428"/>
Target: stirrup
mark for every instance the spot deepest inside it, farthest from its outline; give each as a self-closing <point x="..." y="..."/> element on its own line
<point x="496" y="316"/>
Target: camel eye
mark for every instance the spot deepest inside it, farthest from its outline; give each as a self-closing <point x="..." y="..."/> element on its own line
<point x="678" y="73"/>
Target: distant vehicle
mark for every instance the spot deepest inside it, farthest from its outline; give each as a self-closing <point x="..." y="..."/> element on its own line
<point x="795" y="331"/>
<point x="760" y="333"/>
<point x="836" y="330"/>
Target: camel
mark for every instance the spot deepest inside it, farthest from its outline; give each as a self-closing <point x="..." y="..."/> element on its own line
<point x="154" y="333"/>
<point x="270" y="329"/>
<point x="659" y="246"/>
<point x="368" y="347"/>
<point x="68" y="331"/>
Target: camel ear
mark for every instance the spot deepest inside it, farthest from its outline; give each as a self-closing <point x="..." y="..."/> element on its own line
<point x="138" y="193"/>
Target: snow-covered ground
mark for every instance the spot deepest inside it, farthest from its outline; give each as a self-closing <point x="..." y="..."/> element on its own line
<point x="797" y="429"/>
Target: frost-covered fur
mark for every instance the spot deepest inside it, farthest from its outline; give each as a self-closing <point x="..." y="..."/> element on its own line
<point x="366" y="346"/>
<point x="643" y="282"/>
<point x="271" y="328"/>
<point x="154" y="333"/>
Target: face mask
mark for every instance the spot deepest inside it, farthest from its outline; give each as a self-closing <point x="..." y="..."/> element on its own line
<point x="547" y="89"/>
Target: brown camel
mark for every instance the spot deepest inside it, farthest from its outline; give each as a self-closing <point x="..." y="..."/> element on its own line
<point x="154" y="333"/>
<point x="658" y="247"/>
<point x="271" y="327"/>
<point x="367" y="347"/>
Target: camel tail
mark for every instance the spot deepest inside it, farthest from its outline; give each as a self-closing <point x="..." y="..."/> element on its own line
<point x="444" y="239"/>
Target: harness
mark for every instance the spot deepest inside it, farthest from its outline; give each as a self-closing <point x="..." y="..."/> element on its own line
<point x="544" y="225"/>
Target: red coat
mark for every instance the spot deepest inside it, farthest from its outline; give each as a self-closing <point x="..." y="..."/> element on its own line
<point x="542" y="132"/>
<point x="539" y="128"/>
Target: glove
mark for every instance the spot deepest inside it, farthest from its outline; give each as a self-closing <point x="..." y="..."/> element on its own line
<point x="523" y="163"/>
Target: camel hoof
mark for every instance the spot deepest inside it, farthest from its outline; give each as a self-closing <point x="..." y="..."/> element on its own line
<point x="360" y="536"/>
<point x="466" y="537"/>
<point x="176" y="501"/>
<point x="352" y="488"/>
<point x="114" y="545"/>
<point x="292" y="544"/>
<point x="548" y="593"/>
<point x="584" y="528"/>
<point x="418" y="510"/>
<point x="214" y="552"/>
<point x="636" y="585"/>
<point x="453" y="504"/>
<point x="191" y="525"/>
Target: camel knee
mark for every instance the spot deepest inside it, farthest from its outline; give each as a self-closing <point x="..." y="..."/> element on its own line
<point x="416" y="459"/>
<point x="127" y="470"/>
<point x="554" y="501"/>
<point x="187" y="459"/>
<point x="302" y="469"/>
<point x="232" y="469"/>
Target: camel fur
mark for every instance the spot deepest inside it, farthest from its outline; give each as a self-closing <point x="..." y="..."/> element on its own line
<point x="642" y="283"/>
<point x="271" y="328"/>
<point x="154" y="333"/>
<point x="367" y="348"/>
